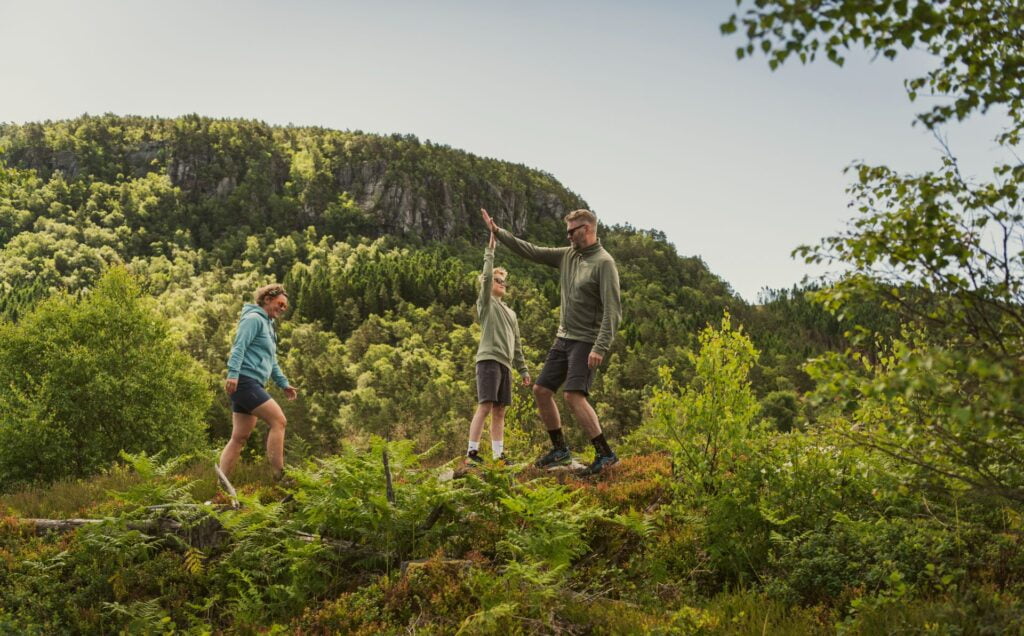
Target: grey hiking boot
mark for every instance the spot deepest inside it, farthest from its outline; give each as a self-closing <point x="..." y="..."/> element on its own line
<point x="600" y="463"/>
<point x="554" y="457"/>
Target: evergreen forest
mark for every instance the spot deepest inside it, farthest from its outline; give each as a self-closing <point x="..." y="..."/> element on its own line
<point x="846" y="456"/>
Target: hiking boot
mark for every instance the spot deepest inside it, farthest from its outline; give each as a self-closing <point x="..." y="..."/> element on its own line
<point x="503" y="460"/>
<point x="600" y="463"/>
<point x="473" y="458"/>
<point x="554" y="457"/>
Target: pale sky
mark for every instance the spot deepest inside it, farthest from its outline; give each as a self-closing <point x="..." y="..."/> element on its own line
<point x="642" y="109"/>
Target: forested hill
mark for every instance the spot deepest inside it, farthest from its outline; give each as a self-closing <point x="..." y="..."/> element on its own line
<point x="228" y="176"/>
<point x="377" y="238"/>
<point x="781" y="471"/>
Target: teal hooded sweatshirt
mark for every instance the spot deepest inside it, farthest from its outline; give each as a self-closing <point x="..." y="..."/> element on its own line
<point x="254" y="352"/>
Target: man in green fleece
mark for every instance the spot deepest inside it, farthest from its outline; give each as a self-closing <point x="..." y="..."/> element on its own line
<point x="499" y="345"/>
<point x="588" y="317"/>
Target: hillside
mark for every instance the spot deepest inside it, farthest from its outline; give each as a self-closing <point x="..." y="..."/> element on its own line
<point x="785" y="469"/>
<point x="370" y="233"/>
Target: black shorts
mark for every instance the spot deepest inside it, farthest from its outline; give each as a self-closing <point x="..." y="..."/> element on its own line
<point x="493" y="382"/>
<point x="248" y="396"/>
<point x="567" y="363"/>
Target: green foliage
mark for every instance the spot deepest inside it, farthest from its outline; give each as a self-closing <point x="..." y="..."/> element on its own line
<point x="976" y="45"/>
<point x="939" y="251"/>
<point x="982" y="611"/>
<point x="731" y="526"/>
<point x="345" y="497"/>
<point x="87" y="378"/>
<point x="708" y="426"/>
<point x="405" y="382"/>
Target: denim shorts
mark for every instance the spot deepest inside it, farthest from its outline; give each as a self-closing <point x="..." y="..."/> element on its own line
<point x="249" y="395"/>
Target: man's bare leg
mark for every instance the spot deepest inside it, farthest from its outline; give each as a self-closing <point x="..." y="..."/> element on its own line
<point x="583" y="412"/>
<point x="587" y="417"/>
<point x="547" y="408"/>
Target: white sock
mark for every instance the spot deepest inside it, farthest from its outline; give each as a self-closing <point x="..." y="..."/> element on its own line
<point x="497" y="448"/>
<point x="473" y="446"/>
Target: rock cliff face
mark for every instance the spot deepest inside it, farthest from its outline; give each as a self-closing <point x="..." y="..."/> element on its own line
<point x="435" y="208"/>
<point x="401" y="186"/>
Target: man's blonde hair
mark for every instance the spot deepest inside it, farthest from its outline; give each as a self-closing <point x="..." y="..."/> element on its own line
<point x="261" y="295"/>
<point x="586" y="215"/>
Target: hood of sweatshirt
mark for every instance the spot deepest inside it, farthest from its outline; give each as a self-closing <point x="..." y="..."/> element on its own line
<point x="250" y="308"/>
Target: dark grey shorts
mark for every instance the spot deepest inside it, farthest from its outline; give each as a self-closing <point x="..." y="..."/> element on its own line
<point x="567" y="363"/>
<point x="248" y="396"/>
<point x="493" y="382"/>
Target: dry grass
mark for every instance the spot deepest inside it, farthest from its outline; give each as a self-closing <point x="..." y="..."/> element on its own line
<point x="75" y="498"/>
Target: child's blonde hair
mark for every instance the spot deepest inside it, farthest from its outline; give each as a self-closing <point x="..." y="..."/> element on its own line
<point x="496" y="270"/>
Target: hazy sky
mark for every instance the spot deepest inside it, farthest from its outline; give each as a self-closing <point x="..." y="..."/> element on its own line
<point x="641" y="108"/>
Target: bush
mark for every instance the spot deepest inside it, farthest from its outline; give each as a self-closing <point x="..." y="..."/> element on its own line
<point x="85" y="378"/>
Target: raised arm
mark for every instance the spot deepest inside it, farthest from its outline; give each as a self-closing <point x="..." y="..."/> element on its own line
<point x="487" y="276"/>
<point x="545" y="255"/>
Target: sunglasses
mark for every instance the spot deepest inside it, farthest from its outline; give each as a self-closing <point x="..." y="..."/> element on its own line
<point x="572" y="230"/>
<point x="501" y="281"/>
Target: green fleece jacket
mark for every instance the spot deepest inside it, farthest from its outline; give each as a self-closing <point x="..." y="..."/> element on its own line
<point x="254" y="352"/>
<point x="499" y="327"/>
<point x="591" y="306"/>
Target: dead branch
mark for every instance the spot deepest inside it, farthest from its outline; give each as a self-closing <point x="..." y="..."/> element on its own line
<point x="227" y="486"/>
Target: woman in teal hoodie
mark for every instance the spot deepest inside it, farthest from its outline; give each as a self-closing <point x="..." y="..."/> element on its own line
<point x="254" y="360"/>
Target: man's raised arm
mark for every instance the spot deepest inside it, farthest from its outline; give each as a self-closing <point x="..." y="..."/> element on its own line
<point x="545" y="255"/>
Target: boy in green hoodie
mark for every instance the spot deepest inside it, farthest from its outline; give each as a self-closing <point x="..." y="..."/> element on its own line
<point x="499" y="347"/>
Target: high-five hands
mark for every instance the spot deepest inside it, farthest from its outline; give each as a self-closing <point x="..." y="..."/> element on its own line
<point x="491" y="225"/>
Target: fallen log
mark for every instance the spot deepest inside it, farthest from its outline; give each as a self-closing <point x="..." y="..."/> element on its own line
<point x="42" y="526"/>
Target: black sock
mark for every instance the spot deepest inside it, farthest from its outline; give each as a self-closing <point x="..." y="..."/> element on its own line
<point x="601" y="445"/>
<point x="557" y="439"/>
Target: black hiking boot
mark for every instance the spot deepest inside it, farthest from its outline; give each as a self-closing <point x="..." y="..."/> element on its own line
<point x="600" y="463"/>
<point x="473" y="458"/>
<point x="554" y="457"/>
